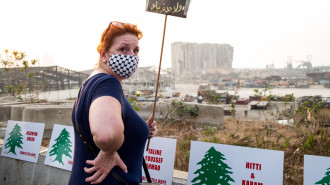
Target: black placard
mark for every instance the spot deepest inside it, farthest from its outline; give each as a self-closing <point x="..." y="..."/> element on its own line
<point x="177" y="8"/>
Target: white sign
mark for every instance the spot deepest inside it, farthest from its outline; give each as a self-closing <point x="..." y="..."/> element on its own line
<point x="160" y="160"/>
<point x="225" y="164"/>
<point x="61" y="147"/>
<point x="23" y="140"/>
<point x="316" y="169"/>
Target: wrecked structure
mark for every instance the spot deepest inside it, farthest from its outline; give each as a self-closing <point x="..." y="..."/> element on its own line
<point x="46" y="78"/>
<point x="145" y="79"/>
<point x="194" y="58"/>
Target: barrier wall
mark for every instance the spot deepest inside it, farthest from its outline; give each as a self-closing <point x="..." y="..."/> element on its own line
<point x="5" y="112"/>
<point x="17" y="172"/>
<point x="13" y="171"/>
<point x="60" y="113"/>
<point x="48" y="114"/>
<point x="212" y="115"/>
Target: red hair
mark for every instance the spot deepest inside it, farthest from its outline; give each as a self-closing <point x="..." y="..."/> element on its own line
<point x="114" y="31"/>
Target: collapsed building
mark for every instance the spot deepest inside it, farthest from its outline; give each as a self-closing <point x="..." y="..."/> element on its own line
<point x="195" y="58"/>
<point x="145" y="79"/>
<point x="46" y="78"/>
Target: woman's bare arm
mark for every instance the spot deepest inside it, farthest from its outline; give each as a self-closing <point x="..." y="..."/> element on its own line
<point x="106" y="124"/>
<point x="108" y="134"/>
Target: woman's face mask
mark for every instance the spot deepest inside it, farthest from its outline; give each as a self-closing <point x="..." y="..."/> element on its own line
<point x="123" y="65"/>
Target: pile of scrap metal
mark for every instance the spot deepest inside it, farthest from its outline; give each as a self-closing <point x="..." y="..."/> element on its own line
<point x="189" y="98"/>
<point x="327" y="85"/>
<point x="318" y="109"/>
<point x="309" y="101"/>
<point x="327" y="102"/>
<point x="242" y="101"/>
<point x="287" y="97"/>
<point x="259" y="105"/>
<point x="206" y="93"/>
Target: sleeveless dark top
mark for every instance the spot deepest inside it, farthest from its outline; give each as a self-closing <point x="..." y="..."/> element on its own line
<point x="136" y="131"/>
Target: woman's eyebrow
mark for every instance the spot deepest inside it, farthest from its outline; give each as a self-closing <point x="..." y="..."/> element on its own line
<point x="125" y="44"/>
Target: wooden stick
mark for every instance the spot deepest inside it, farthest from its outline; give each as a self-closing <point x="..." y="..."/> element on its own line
<point x="159" y="68"/>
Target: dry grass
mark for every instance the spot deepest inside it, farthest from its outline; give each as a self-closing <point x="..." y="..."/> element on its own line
<point x="45" y="142"/>
<point x="294" y="141"/>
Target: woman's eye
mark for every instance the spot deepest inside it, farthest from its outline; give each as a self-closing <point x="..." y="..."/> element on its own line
<point x="136" y="51"/>
<point x="123" y="49"/>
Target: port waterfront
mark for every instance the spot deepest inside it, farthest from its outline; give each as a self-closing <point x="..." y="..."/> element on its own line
<point x="313" y="90"/>
<point x="292" y="176"/>
<point x="191" y="89"/>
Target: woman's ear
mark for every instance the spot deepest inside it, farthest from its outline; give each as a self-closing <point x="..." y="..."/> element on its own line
<point x="103" y="56"/>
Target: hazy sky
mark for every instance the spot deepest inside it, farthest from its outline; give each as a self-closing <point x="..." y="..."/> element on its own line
<point x="261" y="31"/>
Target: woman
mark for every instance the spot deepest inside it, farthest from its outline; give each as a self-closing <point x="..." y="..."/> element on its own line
<point x="104" y="116"/>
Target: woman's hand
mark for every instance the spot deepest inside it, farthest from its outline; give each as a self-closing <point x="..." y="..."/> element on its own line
<point x="152" y="127"/>
<point x="102" y="165"/>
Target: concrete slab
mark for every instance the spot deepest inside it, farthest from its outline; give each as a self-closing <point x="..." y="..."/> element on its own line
<point x="17" y="172"/>
<point x="2" y="132"/>
<point x="179" y="177"/>
<point x="17" y="111"/>
<point x="48" y="114"/>
<point x="212" y="115"/>
<point x="5" y="112"/>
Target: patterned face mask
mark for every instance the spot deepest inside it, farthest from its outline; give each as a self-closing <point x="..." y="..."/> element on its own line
<point x="123" y="65"/>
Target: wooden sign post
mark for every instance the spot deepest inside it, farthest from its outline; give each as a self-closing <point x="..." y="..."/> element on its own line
<point x="177" y="8"/>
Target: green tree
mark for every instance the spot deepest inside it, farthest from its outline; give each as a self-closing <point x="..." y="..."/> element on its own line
<point x="62" y="146"/>
<point x="213" y="170"/>
<point x="17" y="70"/>
<point x="135" y="101"/>
<point x="326" y="179"/>
<point x="15" y="139"/>
<point x="213" y="98"/>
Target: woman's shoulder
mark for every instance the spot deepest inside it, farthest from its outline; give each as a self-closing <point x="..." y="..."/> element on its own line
<point x="99" y="77"/>
<point x="100" y="84"/>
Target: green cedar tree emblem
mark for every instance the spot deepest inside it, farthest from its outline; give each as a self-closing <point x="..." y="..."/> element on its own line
<point x="62" y="146"/>
<point x="15" y="139"/>
<point x="213" y="170"/>
<point x="326" y="179"/>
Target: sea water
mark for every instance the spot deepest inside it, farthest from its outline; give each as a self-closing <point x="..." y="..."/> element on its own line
<point x="191" y="89"/>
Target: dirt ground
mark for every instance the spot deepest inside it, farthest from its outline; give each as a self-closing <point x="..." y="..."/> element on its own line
<point x="295" y="141"/>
